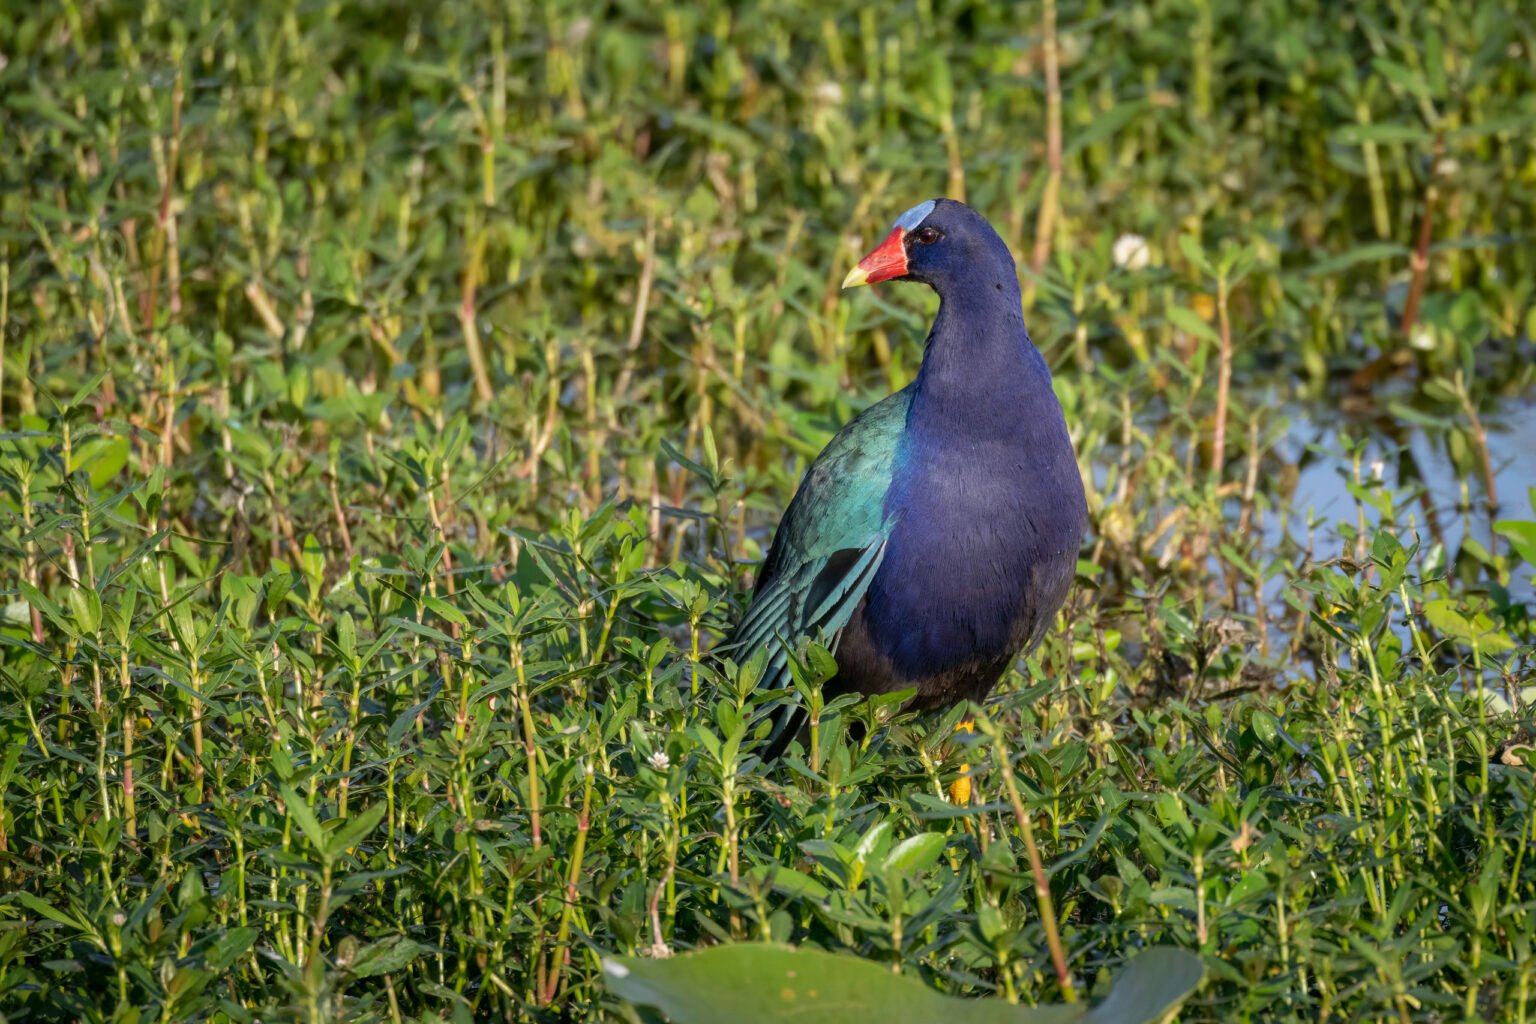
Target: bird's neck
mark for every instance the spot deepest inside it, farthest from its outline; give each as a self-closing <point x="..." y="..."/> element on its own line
<point x="981" y="374"/>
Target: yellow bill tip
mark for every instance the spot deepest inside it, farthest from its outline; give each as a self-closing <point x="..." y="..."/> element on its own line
<point x="856" y="277"/>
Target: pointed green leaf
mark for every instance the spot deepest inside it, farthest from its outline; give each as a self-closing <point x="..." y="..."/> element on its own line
<point x="446" y="610"/>
<point x="357" y="827"/>
<point x="386" y="956"/>
<point x="346" y="636"/>
<point x="1153" y="983"/>
<point x="915" y="855"/>
<point x="31" y="902"/>
<point x="299" y="810"/>
<point x="1190" y="322"/>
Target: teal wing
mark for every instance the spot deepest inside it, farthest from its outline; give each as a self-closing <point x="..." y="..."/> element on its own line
<point x="827" y="549"/>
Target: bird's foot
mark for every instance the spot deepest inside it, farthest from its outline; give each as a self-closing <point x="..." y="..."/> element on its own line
<point x="960" y="789"/>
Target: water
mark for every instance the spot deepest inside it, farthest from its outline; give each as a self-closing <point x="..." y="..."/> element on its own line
<point x="1417" y="466"/>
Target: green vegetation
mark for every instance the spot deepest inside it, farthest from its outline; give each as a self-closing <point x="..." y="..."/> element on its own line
<point x="394" y="402"/>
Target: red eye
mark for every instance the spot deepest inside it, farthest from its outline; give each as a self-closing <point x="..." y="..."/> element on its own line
<point x="926" y="236"/>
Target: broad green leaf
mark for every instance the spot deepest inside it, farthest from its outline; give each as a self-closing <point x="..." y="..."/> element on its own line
<point x="103" y="459"/>
<point x="749" y="983"/>
<point x="875" y="839"/>
<point x="1264" y="727"/>
<point x="86" y="607"/>
<point x="1150" y="985"/>
<point x="1476" y="630"/>
<point x="1521" y="535"/>
<point x="752" y="983"/>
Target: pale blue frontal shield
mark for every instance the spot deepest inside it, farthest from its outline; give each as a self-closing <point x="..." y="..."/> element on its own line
<point x="915" y="216"/>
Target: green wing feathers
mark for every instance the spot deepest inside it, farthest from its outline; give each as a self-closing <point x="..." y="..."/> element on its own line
<point x="827" y="549"/>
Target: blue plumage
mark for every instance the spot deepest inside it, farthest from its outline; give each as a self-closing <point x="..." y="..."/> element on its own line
<point x="936" y="536"/>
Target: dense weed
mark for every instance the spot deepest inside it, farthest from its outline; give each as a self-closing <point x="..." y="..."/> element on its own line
<point x="395" y="403"/>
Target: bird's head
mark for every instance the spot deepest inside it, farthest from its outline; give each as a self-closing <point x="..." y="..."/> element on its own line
<point x="936" y="242"/>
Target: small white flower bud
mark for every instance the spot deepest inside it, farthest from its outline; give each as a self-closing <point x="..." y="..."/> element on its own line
<point x="1131" y="252"/>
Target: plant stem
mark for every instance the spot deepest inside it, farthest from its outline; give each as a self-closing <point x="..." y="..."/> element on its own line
<point x="1037" y="868"/>
<point x="562" y="940"/>
<point x="1045" y="226"/>
<point x="1223" y="379"/>
<point x="1419" y="262"/>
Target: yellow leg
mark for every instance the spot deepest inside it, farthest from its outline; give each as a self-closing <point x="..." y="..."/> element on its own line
<point x="960" y="789"/>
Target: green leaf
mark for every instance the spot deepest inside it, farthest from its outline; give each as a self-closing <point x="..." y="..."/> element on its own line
<point x="1476" y="630"/>
<point x="387" y="955"/>
<point x="357" y="827"/>
<point x="915" y="855"/>
<point x="1265" y="728"/>
<point x="751" y="983"/>
<point x="1495" y="126"/>
<point x="312" y="560"/>
<point x="299" y="810"/>
<point x="876" y="838"/>
<point x="86" y="607"/>
<point x="407" y="718"/>
<point x="421" y="629"/>
<point x="711" y="454"/>
<point x="1403" y="77"/>
<point x="1105" y="125"/>
<point x="702" y="472"/>
<point x="1521" y="536"/>
<point x="788" y="881"/>
<point x="1151" y="984"/>
<point x="104" y="459"/>
<point x="1190" y="247"/>
<point x="229" y="947"/>
<point x="1190" y="322"/>
<point x="446" y="610"/>
<point x="1360" y="254"/>
<point x="16" y="613"/>
<point x="1355" y="134"/>
<point x="32" y="903"/>
<point x="346" y="636"/>
<point x="990" y="920"/>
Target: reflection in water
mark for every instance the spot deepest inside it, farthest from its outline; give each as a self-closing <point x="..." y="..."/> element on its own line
<point x="1436" y="499"/>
